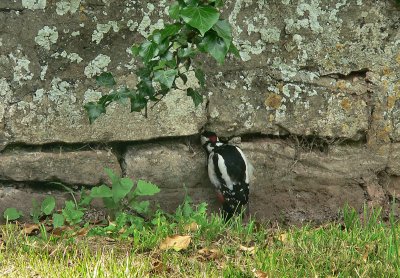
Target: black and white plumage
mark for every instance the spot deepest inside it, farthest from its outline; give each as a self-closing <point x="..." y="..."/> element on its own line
<point x="229" y="171"/>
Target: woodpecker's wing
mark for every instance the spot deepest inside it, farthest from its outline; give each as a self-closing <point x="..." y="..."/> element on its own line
<point x="231" y="163"/>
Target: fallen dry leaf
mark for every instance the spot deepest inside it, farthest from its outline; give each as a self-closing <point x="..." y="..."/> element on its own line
<point x="283" y="237"/>
<point x="247" y="249"/>
<point x="30" y="229"/>
<point x="60" y="230"/>
<point x="259" y="274"/>
<point x="209" y="254"/>
<point x="176" y="242"/>
<point x="192" y="227"/>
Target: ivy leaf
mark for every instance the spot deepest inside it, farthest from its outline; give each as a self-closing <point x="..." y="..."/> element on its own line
<point x="169" y="30"/>
<point x="12" y="214"/>
<point x="200" y="76"/>
<point x="146" y="188"/>
<point x="58" y="220"/>
<point x="105" y="79"/>
<point x="165" y="77"/>
<point x="173" y="10"/>
<point x="121" y="189"/>
<point x="94" y="110"/>
<point x="135" y="49"/>
<point x="201" y="17"/>
<point x="214" y="45"/>
<point x="224" y="30"/>
<point x="234" y="50"/>
<point x="148" y="50"/>
<point x="196" y="97"/>
<point x="186" y="52"/>
<point x="48" y="205"/>
<point x="102" y="191"/>
<point x="138" y="103"/>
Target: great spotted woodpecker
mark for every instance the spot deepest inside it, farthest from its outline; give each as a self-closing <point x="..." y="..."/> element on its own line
<point x="229" y="171"/>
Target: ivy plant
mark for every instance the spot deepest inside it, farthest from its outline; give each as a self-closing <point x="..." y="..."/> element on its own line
<point x="167" y="56"/>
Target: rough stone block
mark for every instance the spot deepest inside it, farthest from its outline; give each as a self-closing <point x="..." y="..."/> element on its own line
<point x="74" y="168"/>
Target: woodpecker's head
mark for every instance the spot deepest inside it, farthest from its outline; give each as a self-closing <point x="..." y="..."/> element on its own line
<point x="209" y="140"/>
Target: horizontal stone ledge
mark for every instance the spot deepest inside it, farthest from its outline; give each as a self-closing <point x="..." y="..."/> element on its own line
<point x="80" y="168"/>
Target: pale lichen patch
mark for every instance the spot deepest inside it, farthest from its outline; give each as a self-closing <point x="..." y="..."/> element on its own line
<point x="71" y="6"/>
<point x="103" y="29"/>
<point x="97" y="65"/>
<point x="21" y="67"/>
<point x="46" y="37"/>
<point x="34" y="4"/>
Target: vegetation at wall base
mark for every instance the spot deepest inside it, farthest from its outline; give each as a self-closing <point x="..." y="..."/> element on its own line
<point x="189" y="243"/>
<point x="167" y="57"/>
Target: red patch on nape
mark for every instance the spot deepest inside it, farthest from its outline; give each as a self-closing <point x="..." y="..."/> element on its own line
<point x="213" y="139"/>
<point x="220" y="197"/>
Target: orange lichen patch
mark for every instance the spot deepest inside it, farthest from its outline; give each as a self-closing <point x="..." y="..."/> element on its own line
<point x="341" y="85"/>
<point x="391" y="100"/>
<point x="386" y="71"/>
<point x="271" y="118"/>
<point x="346" y="104"/>
<point x="273" y="101"/>
<point x="339" y="46"/>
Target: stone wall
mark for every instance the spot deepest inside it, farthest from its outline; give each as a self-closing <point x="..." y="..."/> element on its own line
<point x="315" y="98"/>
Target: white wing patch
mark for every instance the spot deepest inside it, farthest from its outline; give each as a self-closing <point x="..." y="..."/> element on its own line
<point x="211" y="172"/>
<point x="224" y="172"/>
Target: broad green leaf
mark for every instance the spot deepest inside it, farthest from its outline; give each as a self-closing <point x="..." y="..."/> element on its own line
<point x="140" y="207"/>
<point x="146" y="188"/>
<point x="224" y="30"/>
<point x="12" y="214"/>
<point x="196" y="97"/>
<point x="148" y="50"/>
<point x="48" y="205"/>
<point x="85" y="199"/>
<point x="105" y="79"/>
<point x="169" y="30"/>
<point x="138" y="103"/>
<point x="214" y="45"/>
<point x="200" y="76"/>
<point x="186" y="52"/>
<point x="94" y="110"/>
<point x="113" y="177"/>
<point x="71" y="214"/>
<point x="201" y="17"/>
<point x="109" y="203"/>
<point x="183" y="77"/>
<point x="102" y="191"/>
<point x="173" y="10"/>
<point x="165" y="77"/>
<point x="121" y="189"/>
<point x="58" y="220"/>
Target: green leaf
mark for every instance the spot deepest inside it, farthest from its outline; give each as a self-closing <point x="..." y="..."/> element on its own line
<point x="148" y="50"/>
<point x="224" y="30"/>
<point x="234" y="50"/>
<point x="105" y="79"/>
<point x="121" y="189"/>
<point x="85" y="199"/>
<point x="196" y="97"/>
<point x="173" y="10"/>
<point x="214" y="45"/>
<point x="200" y="76"/>
<point x="94" y="110"/>
<point x="102" y="191"/>
<point x="58" y="220"/>
<point x="169" y="30"/>
<point x="113" y="177"/>
<point x="140" y="207"/>
<point x="186" y="52"/>
<point x="109" y="203"/>
<point x="12" y="214"/>
<point x="146" y="188"/>
<point x="165" y="77"/>
<point x="135" y="49"/>
<point x="48" y="205"/>
<point x="35" y="211"/>
<point x="72" y="215"/>
<point x="201" y="17"/>
<point x="138" y="103"/>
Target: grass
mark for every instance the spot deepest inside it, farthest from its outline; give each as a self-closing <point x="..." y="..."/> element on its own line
<point x="362" y="246"/>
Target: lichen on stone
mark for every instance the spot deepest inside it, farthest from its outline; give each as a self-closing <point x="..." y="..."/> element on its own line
<point x="46" y="37"/>
<point x="34" y="4"/>
<point x="97" y="65"/>
<point x="71" y="6"/>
